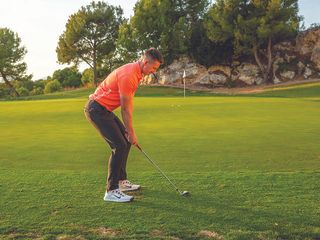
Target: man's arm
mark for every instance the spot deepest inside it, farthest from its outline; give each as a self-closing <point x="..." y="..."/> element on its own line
<point x="126" y="113"/>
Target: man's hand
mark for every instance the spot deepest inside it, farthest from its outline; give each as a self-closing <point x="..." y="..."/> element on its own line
<point x="132" y="138"/>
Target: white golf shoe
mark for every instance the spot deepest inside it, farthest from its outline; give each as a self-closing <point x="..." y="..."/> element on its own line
<point x="126" y="186"/>
<point x="117" y="196"/>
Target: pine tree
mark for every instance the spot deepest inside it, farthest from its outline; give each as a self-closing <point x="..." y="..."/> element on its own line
<point x="253" y="27"/>
<point x="90" y="35"/>
<point x="12" y="53"/>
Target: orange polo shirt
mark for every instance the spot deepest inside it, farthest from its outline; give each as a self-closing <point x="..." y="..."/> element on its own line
<point x="122" y="81"/>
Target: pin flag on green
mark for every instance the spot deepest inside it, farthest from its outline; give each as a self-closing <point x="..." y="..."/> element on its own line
<point x="184" y="83"/>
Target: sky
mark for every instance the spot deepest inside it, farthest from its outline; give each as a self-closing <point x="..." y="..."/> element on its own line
<point x="39" y="23"/>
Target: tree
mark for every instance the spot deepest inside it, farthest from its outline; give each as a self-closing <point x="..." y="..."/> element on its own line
<point x="90" y="35"/>
<point x="52" y="86"/>
<point x="253" y="27"/>
<point x="127" y="47"/>
<point x="87" y="77"/>
<point x="207" y="52"/>
<point x="23" y="91"/>
<point x="68" y="77"/>
<point x="36" y="91"/>
<point x="12" y="66"/>
<point x="167" y="25"/>
<point x="4" y="91"/>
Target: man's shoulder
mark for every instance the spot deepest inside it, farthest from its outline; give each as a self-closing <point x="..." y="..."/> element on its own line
<point x="128" y="71"/>
<point x="126" y="68"/>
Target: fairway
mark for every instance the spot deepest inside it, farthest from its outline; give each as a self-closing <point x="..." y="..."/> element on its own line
<point x="251" y="164"/>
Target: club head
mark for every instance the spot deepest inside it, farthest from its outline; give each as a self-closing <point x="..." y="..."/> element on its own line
<point x="185" y="194"/>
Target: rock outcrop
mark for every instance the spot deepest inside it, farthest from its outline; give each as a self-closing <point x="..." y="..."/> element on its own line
<point x="308" y="45"/>
<point x="293" y="60"/>
<point x="248" y="74"/>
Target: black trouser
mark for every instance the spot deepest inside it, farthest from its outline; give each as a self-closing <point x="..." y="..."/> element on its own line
<point x="113" y="132"/>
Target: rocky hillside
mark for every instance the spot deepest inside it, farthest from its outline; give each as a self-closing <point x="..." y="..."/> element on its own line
<point x="296" y="60"/>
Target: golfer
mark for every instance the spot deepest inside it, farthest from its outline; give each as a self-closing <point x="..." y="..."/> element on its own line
<point x="118" y="90"/>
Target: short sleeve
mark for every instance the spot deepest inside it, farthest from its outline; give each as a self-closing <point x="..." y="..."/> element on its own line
<point x="126" y="86"/>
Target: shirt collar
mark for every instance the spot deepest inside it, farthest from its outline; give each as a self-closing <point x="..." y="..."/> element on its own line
<point x="138" y="70"/>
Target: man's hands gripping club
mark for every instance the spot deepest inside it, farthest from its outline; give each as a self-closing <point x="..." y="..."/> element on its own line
<point x="132" y="138"/>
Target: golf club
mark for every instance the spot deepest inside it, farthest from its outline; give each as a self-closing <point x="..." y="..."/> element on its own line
<point x="184" y="193"/>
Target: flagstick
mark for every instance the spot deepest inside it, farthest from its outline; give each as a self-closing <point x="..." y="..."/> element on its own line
<point x="184" y="83"/>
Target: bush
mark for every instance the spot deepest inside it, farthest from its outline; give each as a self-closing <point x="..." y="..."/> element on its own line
<point x="4" y="91"/>
<point x="40" y="83"/>
<point x="23" y="91"/>
<point x="72" y="81"/>
<point x="52" y="86"/>
<point x="68" y="77"/>
<point x="27" y="84"/>
<point x="36" y="91"/>
<point x="87" y="77"/>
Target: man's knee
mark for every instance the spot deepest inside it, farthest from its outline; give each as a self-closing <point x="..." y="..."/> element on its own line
<point x="122" y="146"/>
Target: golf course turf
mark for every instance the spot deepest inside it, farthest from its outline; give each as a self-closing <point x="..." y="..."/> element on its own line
<point x="250" y="162"/>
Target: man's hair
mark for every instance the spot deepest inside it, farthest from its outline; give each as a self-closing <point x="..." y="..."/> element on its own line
<point x="154" y="54"/>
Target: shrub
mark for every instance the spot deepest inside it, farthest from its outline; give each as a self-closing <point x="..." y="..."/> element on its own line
<point x="36" y="91"/>
<point x="4" y="91"/>
<point x="23" y="91"/>
<point x="40" y="83"/>
<point x="87" y="77"/>
<point x="52" y="86"/>
<point x="27" y="84"/>
<point x="68" y="77"/>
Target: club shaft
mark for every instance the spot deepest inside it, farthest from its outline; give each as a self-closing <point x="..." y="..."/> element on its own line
<point x="163" y="174"/>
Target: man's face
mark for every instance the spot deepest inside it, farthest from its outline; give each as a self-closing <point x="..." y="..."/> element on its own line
<point x="150" y="66"/>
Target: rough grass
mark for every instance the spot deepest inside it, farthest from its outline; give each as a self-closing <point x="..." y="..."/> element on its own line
<point x="252" y="165"/>
<point x="308" y="90"/>
<point x="298" y="90"/>
<point x="145" y="91"/>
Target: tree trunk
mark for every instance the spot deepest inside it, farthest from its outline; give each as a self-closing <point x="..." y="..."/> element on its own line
<point x="10" y="85"/>
<point x="270" y="61"/>
<point x="266" y="71"/>
<point x="95" y="82"/>
<point x="258" y="61"/>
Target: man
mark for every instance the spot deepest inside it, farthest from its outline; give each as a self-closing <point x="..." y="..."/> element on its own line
<point x="118" y="90"/>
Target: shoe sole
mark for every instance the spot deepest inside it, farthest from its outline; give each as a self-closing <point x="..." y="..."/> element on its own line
<point x="130" y="190"/>
<point x="115" y="200"/>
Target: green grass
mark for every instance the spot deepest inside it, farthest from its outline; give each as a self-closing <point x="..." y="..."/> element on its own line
<point x="251" y="163"/>
<point x="307" y="90"/>
<point x="145" y="91"/>
<point x="297" y="91"/>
